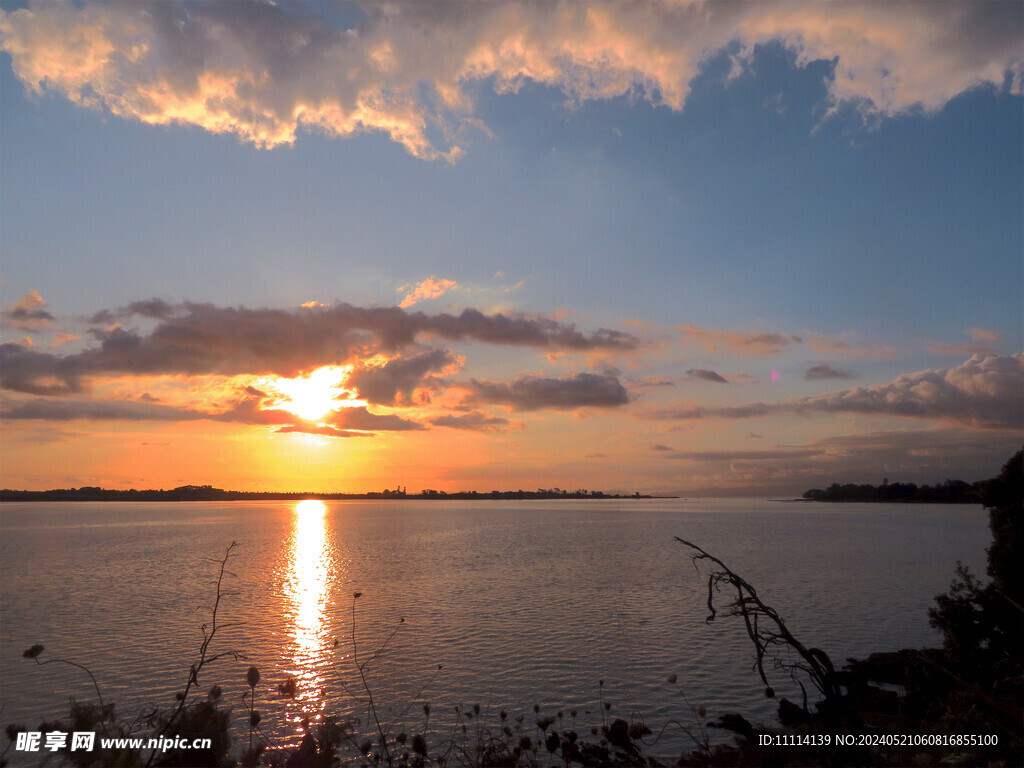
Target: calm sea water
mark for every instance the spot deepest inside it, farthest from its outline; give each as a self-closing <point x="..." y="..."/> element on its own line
<point x="522" y="603"/>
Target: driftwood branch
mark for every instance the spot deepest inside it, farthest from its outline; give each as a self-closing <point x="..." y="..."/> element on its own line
<point x="766" y="630"/>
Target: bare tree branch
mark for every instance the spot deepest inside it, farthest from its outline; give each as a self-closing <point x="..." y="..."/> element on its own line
<point x="766" y="630"/>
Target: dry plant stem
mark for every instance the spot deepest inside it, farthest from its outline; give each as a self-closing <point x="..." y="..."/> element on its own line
<point x="252" y="706"/>
<point x="704" y="734"/>
<point x="413" y="700"/>
<point x="209" y="632"/>
<point x="814" y="662"/>
<point x="702" y="743"/>
<point x="73" y="664"/>
<point x="366" y="686"/>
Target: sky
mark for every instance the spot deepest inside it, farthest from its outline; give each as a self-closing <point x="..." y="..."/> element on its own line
<point x="675" y="247"/>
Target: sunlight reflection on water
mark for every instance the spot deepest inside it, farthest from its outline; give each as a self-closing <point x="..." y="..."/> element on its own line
<point x="311" y="564"/>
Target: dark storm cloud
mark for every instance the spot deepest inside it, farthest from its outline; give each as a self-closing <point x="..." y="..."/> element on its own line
<point x="531" y="393"/>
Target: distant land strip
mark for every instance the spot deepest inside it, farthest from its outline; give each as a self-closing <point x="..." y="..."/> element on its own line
<point x="209" y="493"/>
<point x="949" y="492"/>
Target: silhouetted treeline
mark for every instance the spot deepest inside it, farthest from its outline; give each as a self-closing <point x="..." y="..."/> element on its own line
<point x="209" y="493"/>
<point x="949" y="492"/>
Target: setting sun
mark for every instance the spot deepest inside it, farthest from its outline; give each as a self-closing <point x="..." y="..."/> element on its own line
<point x="313" y="396"/>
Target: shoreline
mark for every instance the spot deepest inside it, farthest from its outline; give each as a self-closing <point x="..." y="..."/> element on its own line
<point x="206" y="493"/>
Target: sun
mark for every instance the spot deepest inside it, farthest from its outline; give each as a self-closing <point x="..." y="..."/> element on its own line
<point x="313" y="396"/>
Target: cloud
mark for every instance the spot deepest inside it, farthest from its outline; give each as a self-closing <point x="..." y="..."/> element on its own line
<point x="732" y="343"/>
<point x="785" y="453"/>
<point x="48" y="409"/>
<point x="523" y="330"/>
<point x="816" y="372"/>
<point x="320" y="429"/>
<point x="243" y="409"/>
<point x="265" y="71"/>
<point x="431" y="288"/>
<point x="848" y="347"/>
<point x="985" y="391"/>
<point x="361" y="418"/>
<point x="982" y="334"/>
<point x="476" y="420"/>
<point x="396" y="379"/>
<point x="192" y="339"/>
<point x="60" y="339"/>
<point x="38" y="373"/>
<point x="531" y="393"/>
<point x="980" y="344"/>
<point x="660" y="447"/>
<point x="654" y="381"/>
<point x="29" y="314"/>
<point x="960" y="348"/>
<point x="352" y="422"/>
<point x="706" y="375"/>
<point x="347" y="422"/>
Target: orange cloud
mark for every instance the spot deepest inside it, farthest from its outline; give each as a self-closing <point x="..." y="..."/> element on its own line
<point x="29" y="313"/>
<point x="848" y="348"/>
<point x="431" y="288"/>
<point x="982" y="334"/>
<point x="978" y="345"/>
<point x="60" y="339"/>
<point x="732" y="343"/>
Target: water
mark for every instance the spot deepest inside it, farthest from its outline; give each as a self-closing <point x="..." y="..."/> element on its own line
<point x="521" y="602"/>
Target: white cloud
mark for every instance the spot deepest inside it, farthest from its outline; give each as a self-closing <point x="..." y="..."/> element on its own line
<point x="264" y="72"/>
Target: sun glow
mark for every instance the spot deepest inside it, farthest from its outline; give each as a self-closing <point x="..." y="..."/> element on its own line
<point x="313" y="396"/>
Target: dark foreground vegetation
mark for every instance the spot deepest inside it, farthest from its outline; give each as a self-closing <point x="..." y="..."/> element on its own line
<point x="961" y="705"/>
<point x="209" y="493"/>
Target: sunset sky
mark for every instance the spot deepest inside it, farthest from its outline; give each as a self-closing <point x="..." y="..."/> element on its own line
<point x="676" y="247"/>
